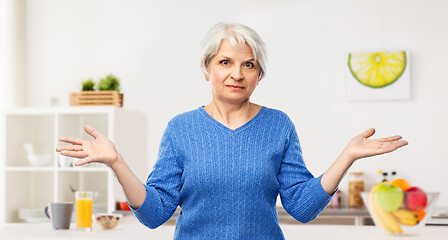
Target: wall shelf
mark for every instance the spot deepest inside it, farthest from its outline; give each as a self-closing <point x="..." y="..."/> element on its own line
<point x="26" y="186"/>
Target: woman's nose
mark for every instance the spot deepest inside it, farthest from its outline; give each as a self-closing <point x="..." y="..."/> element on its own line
<point x="237" y="74"/>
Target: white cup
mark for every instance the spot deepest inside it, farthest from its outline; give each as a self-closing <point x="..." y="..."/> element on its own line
<point x="66" y="162"/>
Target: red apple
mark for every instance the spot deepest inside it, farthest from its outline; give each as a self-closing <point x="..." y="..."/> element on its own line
<point x="415" y="199"/>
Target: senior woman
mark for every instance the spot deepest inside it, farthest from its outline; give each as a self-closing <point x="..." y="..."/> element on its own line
<point x="225" y="163"/>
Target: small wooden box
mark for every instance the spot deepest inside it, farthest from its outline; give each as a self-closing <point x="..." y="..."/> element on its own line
<point x="94" y="98"/>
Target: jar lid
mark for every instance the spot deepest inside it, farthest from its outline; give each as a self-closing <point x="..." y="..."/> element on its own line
<point x="356" y="173"/>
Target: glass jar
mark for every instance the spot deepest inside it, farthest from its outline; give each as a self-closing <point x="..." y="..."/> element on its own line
<point x="355" y="187"/>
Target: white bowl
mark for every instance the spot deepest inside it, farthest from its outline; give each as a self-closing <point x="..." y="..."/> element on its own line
<point x="38" y="154"/>
<point x="39" y="160"/>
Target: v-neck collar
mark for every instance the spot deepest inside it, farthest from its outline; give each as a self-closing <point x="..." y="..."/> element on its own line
<point x="226" y="129"/>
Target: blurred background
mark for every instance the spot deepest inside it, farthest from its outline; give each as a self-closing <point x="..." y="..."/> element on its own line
<point x="48" y="47"/>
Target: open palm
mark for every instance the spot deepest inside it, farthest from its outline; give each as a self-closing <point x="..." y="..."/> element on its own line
<point x="361" y="147"/>
<point x="101" y="149"/>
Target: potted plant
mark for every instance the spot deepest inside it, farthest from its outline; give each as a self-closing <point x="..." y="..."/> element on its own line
<point x="109" y="83"/>
<point x="88" y="85"/>
<point x="108" y="93"/>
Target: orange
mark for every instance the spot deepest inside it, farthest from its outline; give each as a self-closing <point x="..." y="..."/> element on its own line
<point x="421" y="214"/>
<point x="401" y="183"/>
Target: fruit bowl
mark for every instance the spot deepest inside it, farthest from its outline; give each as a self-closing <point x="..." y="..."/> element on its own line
<point x="400" y="215"/>
<point x="108" y="221"/>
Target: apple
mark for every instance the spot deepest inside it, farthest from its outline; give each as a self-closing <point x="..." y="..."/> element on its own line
<point x="388" y="197"/>
<point x="415" y="199"/>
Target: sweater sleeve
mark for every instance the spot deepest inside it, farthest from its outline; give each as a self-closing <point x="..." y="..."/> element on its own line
<point x="301" y="194"/>
<point x="162" y="186"/>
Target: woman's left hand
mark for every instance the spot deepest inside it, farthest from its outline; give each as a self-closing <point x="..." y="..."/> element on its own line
<point x="361" y="147"/>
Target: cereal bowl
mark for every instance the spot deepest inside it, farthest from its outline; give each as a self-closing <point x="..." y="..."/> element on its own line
<point x="108" y="221"/>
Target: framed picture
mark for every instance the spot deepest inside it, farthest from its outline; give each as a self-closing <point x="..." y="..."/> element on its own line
<point x="378" y="76"/>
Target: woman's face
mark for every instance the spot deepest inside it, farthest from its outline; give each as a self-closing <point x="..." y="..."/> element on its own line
<point x="233" y="73"/>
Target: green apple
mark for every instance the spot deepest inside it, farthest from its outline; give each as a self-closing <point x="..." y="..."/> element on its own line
<point x="388" y="197"/>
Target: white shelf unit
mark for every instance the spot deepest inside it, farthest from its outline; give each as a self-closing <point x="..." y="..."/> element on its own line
<point x="26" y="186"/>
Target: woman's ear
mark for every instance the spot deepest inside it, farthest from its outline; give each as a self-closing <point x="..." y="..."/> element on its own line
<point x="206" y="76"/>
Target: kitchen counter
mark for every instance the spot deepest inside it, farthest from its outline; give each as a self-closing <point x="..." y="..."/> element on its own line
<point x="132" y="229"/>
<point x="357" y="216"/>
<point x="343" y="215"/>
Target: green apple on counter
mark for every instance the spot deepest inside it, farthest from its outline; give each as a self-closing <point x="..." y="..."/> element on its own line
<point x="389" y="197"/>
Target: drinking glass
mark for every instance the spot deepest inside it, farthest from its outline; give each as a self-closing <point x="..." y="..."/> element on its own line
<point x="84" y="210"/>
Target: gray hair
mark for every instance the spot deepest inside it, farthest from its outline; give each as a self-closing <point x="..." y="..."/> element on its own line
<point x="237" y="34"/>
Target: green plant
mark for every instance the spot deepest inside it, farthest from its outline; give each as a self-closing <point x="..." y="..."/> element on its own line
<point x="88" y="85"/>
<point x="72" y="188"/>
<point x="109" y="83"/>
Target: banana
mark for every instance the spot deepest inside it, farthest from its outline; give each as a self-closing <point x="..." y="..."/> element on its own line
<point x="385" y="219"/>
<point x="406" y="217"/>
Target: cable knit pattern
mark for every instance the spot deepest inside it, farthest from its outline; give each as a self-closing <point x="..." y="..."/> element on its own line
<point x="227" y="181"/>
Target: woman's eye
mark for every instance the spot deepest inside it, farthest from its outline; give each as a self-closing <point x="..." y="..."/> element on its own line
<point x="225" y="62"/>
<point x="249" y="65"/>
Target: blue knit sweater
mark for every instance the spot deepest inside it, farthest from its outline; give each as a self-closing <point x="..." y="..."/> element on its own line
<point x="227" y="181"/>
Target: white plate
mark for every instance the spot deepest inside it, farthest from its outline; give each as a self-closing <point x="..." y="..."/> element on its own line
<point x="33" y="215"/>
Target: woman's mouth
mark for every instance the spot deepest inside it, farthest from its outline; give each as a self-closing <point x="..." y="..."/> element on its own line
<point x="234" y="87"/>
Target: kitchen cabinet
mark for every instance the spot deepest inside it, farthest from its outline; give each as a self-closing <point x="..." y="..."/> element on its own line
<point x="32" y="186"/>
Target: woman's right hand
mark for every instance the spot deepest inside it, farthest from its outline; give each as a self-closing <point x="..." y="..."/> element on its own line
<point x="101" y="149"/>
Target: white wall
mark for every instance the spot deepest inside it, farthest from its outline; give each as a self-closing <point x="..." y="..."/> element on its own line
<point x="12" y="53"/>
<point x="152" y="46"/>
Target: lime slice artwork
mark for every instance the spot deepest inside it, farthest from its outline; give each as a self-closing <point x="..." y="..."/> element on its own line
<point x="377" y="69"/>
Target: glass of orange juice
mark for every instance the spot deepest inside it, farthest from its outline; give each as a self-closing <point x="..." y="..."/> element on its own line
<point x="84" y="210"/>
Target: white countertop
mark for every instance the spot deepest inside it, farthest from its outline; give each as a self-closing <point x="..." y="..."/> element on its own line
<point x="132" y="229"/>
